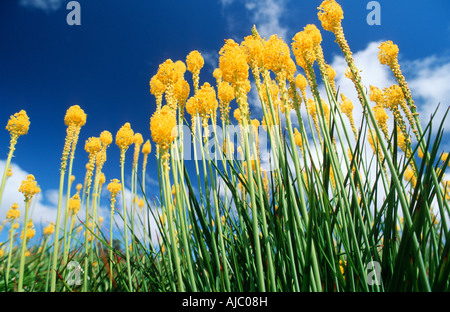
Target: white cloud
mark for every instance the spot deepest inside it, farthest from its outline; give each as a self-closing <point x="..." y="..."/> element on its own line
<point x="265" y="14"/>
<point x="45" y="5"/>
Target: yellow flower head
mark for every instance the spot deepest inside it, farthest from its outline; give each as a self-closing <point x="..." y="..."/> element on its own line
<point x="102" y="179"/>
<point x="410" y="176"/>
<point x="18" y="124"/>
<point x="225" y="92"/>
<point x="75" y="116"/>
<point x="29" y="187"/>
<point x="163" y="129"/>
<point x="147" y="148"/>
<point x="301" y="82"/>
<point x="114" y="187"/>
<point x="13" y="213"/>
<point x="381" y="116"/>
<point x="79" y="187"/>
<point x="10" y="172"/>
<point x="217" y="73"/>
<point x="298" y="138"/>
<point x="30" y="231"/>
<point x="137" y="139"/>
<point x="168" y="73"/>
<point x="181" y="91"/>
<point x="393" y="96"/>
<point x="157" y="88"/>
<point x="141" y="203"/>
<point x="303" y="45"/>
<point x="233" y="63"/>
<point x="253" y="49"/>
<point x="74" y="204"/>
<point x="330" y="15"/>
<point x="401" y="139"/>
<point x="331" y="72"/>
<point x="207" y="102"/>
<point x="124" y="137"/>
<point x="388" y="53"/>
<point x="49" y="229"/>
<point x="93" y="145"/>
<point x="346" y="106"/>
<point x="376" y="95"/>
<point x="195" y="62"/>
<point x="106" y="138"/>
<point x="276" y="54"/>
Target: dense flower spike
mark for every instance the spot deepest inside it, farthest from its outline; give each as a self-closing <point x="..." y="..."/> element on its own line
<point x="234" y="67"/>
<point x="74" y="204"/>
<point x="388" y="53"/>
<point x="30" y="231"/>
<point x="114" y="187"/>
<point x="18" y="124"/>
<point x="225" y="94"/>
<point x="163" y="129"/>
<point x="75" y="116"/>
<point x="330" y="14"/>
<point x="347" y="109"/>
<point x="49" y="229"/>
<point x="29" y="187"/>
<point x="13" y="213"/>
<point x="124" y="137"/>
<point x="195" y="62"/>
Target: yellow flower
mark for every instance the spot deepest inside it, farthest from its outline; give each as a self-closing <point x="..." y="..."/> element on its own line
<point x="301" y="82"/>
<point x="233" y="64"/>
<point x="106" y="138"/>
<point x="124" y="137"/>
<point x="276" y="54"/>
<point x="10" y="172"/>
<point x="303" y="49"/>
<point x="114" y="187"/>
<point x="30" y="231"/>
<point x="444" y="157"/>
<point x="75" y="116"/>
<point x="410" y="176"/>
<point x="376" y="95"/>
<point x="138" y="140"/>
<point x="18" y="124"/>
<point x="13" y="213"/>
<point x="49" y="229"/>
<point x="388" y="53"/>
<point x="217" y="73"/>
<point x="330" y="14"/>
<point x="381" y="117"/>
<point x="206" y="100"/>
<point x="393" y="96"/>
<point x="74" y="204"/>
<point x="346" y="106"/>
<point x="225" y="94"/>
<point x="195" y="62"/>
<point x="163" y="127"/>
<point x="29" y="187"/>
<point x="93" y="145"/>
<point x="147" y="148"/>
<point x="298" y="138"/>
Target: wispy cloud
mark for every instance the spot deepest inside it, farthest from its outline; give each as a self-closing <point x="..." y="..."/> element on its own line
<point x="45" y="5"/>
<point x="265" y="14"/>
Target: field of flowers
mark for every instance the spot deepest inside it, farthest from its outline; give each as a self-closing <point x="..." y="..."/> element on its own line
<point x="282" y="204"/>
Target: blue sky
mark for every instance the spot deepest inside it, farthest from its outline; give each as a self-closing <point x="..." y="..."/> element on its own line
<point x="104" y="65"/>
